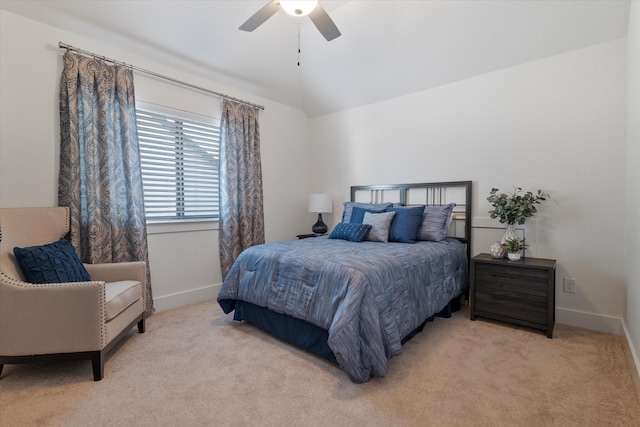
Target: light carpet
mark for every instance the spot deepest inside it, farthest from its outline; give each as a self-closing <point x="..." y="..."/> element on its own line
<point x="195" y="366"/>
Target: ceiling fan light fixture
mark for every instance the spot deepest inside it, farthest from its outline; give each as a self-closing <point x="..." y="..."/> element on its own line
<point x="298" y="8"/>
<point x="312" y="8"/>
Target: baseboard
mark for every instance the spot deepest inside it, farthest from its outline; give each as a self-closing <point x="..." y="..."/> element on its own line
<point x="632" y="359"/>
<point x="192" y="296"/>
<point x="592" y="321"/>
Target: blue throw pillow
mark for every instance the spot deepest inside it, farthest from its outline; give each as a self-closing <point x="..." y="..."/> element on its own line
<point x="351" y="232"/>
<point x="435" y="222"/>
<point x="348" y="208"/>
<point x="357" y="214"/>
<point x="406" y="224"/>
<point x="53" y="263"/>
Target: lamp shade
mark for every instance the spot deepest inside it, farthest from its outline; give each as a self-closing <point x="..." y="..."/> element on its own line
<point x="320" y="202"/>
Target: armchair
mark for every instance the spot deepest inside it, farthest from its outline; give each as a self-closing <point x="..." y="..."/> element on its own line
<point x="62" y="321"/>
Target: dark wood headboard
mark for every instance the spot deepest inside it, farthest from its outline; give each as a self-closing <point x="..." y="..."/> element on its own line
<point x="430" y="194"/>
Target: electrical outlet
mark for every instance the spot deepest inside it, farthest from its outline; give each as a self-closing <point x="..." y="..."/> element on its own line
<point x="570" y="285"/>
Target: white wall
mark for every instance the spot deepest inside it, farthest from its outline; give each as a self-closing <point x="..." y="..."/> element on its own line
<point x="632" y="232"/>
<point x="184" y="263"/>
<point x="557" y="124"/>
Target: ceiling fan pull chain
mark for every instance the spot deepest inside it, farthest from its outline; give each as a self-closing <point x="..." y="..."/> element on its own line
<point x="298" y="42"/>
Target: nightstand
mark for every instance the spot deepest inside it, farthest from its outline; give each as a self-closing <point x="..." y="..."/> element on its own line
<point x="306" y="236"/>
<point x="520" y="292"/>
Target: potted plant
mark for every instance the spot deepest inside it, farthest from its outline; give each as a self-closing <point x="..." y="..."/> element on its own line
<point x="513" y="248"/>
<point x="514" y="208"/>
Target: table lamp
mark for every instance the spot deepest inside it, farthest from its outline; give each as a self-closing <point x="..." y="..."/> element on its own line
<point x="320" y="203"/>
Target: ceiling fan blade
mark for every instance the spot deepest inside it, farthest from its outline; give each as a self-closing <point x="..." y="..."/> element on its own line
<point x="324" y="23"/>
<point x="260" y="16"/>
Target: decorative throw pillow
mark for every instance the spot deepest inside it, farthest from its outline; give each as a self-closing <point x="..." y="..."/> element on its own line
<point x="357" y="215"/>
<point x="380" y="225"/>
<point x="348" y="208"/>
<point x="406" y="223"/>
<point x="435" y="222"/>
<point x="55" y="262"/>
<point x="350" y="231"/>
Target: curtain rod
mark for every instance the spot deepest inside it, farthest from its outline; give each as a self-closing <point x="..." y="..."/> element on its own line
<point x="151" y="73"/>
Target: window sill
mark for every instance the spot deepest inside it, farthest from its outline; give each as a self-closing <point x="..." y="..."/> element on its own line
<point x="183" y="226"/>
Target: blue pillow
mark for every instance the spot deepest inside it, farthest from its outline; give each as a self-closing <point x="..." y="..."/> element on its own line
<point x="357" y="214"/>
<point x="406" y="224"/>
<point x="435" y="222"/>
<point x="53" y="263"/>
<point x="348" y="208"/>
<point x="351" y="232"/>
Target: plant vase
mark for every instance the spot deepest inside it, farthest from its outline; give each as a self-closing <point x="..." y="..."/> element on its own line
<point x="510" y="234"/>
<point x="513" y="256"/>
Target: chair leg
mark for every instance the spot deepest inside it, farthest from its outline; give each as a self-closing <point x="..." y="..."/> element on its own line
<point x="97" y="361"/>
<point x="141" y="327"/>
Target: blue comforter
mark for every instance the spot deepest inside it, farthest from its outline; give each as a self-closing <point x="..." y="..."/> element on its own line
<point x="368" y="295"/>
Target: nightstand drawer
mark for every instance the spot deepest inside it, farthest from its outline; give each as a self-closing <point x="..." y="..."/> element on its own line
<point x="513" y="305"/>
<point x="517" y="279"/>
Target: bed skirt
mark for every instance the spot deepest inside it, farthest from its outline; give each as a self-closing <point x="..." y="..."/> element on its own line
<point x="305" y="335"/>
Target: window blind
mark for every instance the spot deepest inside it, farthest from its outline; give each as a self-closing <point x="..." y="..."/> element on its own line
<point x="179" y="161"/>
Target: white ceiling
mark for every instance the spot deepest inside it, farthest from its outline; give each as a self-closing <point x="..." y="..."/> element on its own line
<point x="387" y="48"/>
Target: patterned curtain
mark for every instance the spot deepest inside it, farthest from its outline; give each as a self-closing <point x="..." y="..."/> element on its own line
<point x="100" y="178"/>
<point x="241" y="210"/>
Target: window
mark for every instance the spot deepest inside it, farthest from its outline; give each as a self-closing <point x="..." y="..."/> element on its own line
<point x="179" y="161"/>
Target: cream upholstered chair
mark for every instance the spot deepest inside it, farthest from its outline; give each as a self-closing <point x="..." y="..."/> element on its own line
<point x="77" y="320"/>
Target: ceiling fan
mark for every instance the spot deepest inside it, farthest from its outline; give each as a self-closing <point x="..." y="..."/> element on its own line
<point x="317" y="14"/>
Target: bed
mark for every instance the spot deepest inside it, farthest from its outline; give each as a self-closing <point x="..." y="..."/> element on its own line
<point x="356" y="301"/>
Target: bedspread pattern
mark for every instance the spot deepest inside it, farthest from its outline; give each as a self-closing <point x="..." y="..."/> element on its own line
<point x="368" y="295"/>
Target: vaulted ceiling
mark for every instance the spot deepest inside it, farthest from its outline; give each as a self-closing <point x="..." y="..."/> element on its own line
<point x="387" y="48"/>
